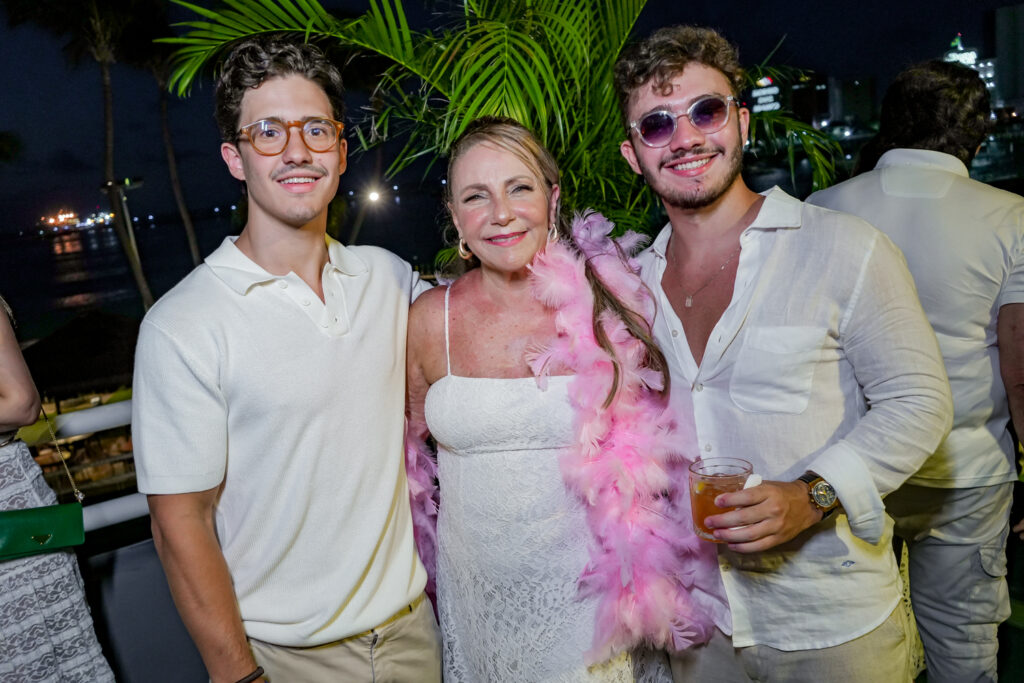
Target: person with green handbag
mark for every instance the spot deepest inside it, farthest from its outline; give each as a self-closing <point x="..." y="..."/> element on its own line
<point x="46" y="632"/>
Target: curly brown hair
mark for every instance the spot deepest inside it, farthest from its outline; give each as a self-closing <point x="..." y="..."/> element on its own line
<point x="665" y="53"/>
<point x="256" y="60"/>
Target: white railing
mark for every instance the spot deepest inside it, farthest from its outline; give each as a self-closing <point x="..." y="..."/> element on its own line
<point x="87" y="421"/>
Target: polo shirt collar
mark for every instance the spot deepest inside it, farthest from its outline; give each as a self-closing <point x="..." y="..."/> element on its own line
<point x="241" y="273"/>
<point x="923" y="158"/>
<point x="779" y="210"/>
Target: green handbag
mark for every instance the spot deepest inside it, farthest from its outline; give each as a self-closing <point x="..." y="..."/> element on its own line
<point x="40" y="530"/>
<point x="43" y="529"/>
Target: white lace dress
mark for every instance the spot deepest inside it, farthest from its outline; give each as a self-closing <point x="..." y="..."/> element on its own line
<point x="511" y="540"/>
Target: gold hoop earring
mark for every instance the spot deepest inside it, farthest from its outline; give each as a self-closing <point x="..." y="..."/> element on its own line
<point x="552" y="233"/>
<point x="464" y="252"/>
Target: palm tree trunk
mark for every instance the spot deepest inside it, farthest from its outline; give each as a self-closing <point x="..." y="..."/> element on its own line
<point x="118" y="205"/>
<point x="172" y="169"/>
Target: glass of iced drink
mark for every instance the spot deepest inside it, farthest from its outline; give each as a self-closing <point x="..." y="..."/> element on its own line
<point x="709" y="478"/>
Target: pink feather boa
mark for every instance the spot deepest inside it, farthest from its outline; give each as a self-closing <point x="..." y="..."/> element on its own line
<point x="627" y="467"/>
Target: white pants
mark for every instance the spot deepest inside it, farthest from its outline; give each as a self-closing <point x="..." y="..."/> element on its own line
<point x="956" y="542"/>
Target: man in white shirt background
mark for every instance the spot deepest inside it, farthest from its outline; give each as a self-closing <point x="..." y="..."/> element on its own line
<point x="964" y="244"/>
<point x="794" y="336"/>
<point x="269" y="403"/>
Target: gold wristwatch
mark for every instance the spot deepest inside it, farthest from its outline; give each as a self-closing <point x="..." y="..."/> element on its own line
<point x="822" y="495"/>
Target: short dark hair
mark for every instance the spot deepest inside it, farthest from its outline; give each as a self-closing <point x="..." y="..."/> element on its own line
<point x="936" y="105"/>
<point x="664" y="55"/>
<point x="256" y="60"/>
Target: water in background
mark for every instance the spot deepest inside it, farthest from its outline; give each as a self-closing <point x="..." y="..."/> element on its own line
<point x="47" y="280"/>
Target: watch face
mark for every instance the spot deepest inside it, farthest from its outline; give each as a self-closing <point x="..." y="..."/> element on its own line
<point x="823" y="494"/>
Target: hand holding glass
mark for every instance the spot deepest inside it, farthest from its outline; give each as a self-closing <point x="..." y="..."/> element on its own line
<point x="710" y="478"/>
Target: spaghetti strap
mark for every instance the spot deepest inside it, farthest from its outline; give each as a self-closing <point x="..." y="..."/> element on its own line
<point x="447" y="348"/>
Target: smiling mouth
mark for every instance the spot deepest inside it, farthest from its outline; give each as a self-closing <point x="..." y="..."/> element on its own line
<point x="506" y="239"/>
<point x="297" y="181"/>
<point x="690" y="165"/>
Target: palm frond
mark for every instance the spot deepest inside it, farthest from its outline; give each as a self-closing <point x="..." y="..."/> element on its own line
<point x="547" y="63"/>
<point x="239" y="19"/>
<point x="780" y="130"/>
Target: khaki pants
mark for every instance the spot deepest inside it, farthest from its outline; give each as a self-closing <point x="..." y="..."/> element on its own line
<point x="404" y="649"/>
<point x="879" y="656"/>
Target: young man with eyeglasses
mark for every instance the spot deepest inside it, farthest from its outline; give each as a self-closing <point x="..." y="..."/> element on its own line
<point x="964" y="244"/>
<point x="269" y="410"/>
<point x="795" y="340"/>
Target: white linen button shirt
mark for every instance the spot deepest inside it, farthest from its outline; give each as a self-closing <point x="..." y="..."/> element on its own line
<point x="964" y="241"/>
<point x="822" y="361"/>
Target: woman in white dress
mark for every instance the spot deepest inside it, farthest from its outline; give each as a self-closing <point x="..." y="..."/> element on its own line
<point x="562" y="547"/>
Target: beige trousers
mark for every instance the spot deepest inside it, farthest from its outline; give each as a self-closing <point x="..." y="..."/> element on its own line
<point x="404" y="649"/>
<point x="879" y="656"/>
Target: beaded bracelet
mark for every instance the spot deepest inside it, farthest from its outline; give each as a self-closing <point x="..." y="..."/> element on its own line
<point x="254" y="676"/>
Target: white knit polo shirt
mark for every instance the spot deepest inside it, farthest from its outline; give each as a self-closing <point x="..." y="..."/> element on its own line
<point x="296" y="406"/>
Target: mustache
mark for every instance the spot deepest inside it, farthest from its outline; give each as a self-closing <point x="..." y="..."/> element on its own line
<point x="679" y="156"/>
<point x="312" y="168"/>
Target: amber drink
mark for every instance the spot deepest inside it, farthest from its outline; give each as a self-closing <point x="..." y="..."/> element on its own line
<point x="710" y="478"/>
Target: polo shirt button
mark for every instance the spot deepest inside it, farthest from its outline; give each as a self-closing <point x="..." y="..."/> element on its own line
<point x="675" y="333"/>
<point x="699" y="387"/>
<point x="282" y="284"/>
<point x="305" y="302"/>
<point x="323" y="324"/>
<point x="707" y="447"/>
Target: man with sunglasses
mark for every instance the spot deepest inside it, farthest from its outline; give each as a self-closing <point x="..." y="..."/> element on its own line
<point x="268" y="408"/>
<point x="795" y="341"/>
<point x="964" y="244"/>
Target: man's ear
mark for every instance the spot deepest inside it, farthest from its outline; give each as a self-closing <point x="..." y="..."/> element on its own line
<point x="343" y="153"/>
<point x="233" y="158"/>
<point x="744" y="115"/>
<point x="626" y="148"/>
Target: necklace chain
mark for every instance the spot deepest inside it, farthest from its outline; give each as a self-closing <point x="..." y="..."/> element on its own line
<point x="688" y="301"/>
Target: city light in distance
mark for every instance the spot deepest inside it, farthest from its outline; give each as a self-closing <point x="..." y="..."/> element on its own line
<point x="66" y="219"/>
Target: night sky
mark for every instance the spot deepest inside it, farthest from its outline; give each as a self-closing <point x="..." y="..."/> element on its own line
<point x="56" y="109"/>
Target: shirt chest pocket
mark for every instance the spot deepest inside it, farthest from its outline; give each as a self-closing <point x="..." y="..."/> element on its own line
<point x="775" y="368"/>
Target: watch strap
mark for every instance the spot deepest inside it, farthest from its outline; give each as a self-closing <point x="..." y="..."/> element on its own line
<point x="808" y="477"/>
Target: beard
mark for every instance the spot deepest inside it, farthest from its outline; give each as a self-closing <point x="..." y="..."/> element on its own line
<point x="703" y="192"/>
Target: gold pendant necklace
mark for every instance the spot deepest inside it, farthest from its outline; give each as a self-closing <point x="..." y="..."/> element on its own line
<point x="688" y="301"/>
